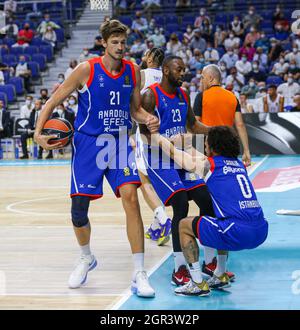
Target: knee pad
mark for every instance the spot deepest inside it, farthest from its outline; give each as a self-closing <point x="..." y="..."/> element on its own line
<point x="79" y="210"/>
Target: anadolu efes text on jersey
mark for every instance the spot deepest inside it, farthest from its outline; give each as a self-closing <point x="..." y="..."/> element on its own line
<point x="171" y="110"/>
<point x="104" y="103"/>
<point x="231" y="189"/>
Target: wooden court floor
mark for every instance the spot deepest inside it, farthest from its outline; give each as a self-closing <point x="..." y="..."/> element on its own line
<point x="38" y="248"/>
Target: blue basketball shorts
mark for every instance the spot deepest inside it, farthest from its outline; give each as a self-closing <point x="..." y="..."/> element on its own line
<point x="167" y="180"/>
<point x="230" y="234"/>
<point x="95" y="157"/>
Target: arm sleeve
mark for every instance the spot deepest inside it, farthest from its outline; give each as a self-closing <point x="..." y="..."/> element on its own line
<point x="198" y="105"/>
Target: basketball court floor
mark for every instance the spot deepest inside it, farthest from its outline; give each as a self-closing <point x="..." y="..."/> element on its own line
<point x="38" y="248"/>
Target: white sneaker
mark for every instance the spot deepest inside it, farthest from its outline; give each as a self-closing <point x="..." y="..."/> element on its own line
<point x="141" y="286"/>
<point x="79" y="274"/>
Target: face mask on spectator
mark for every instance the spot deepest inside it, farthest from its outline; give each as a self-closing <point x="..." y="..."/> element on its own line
<point x="230" y="52"/>
<point x="71" y="102"/>
<point x="22" y="62"/>
<point x="281" y="61"/>
<point x="201" y="60"/>
<point x="60" y="80"/>
<point x="28" y="102"/>
<point x="60" y="111"/>
<point x="244" y="59"/>
<point x="156" y="31"/>
<point x="231" y="36"/>
<point x="209" y="49"/>
<point x="236" y="21"/>
<point x="218" y="29"/>
<point x="263" y="36"/>
<point x="202" y="12"/>
<point x="250" y="12"/>
<point x="198" y="75"/>
<point x="189" y="30"/>
<point x="255" y="66"/>
<point x="273" y="44"/>
<point x="293" y="66"/>
<point x="85" y="52"/>
<point x="295" y="50"/>
<point x="251" y="83"/>
<point x="290" y="80"/>
<point x="192" y="88"/>
<point x="223" y="68"/>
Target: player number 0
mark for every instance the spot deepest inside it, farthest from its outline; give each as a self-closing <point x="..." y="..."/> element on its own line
<point x="244" y="185"/>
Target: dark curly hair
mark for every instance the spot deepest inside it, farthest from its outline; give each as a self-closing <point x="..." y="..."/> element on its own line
<point x="224" y="141"/>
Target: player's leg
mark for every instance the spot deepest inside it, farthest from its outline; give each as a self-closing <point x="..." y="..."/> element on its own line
<point x="180" y="206"/>
<point x="160" y="215"/>
<point x="82" y="229"/>
<point x="135" y="233"/>
<point x="201" y="196"/>
<point x="197" y="286"/>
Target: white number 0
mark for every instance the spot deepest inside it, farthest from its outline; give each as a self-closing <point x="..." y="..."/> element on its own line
<point x="244" y="185"/>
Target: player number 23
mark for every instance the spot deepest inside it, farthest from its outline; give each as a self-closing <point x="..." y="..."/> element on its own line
<point x="114" y="96"/>
<point x="176" y="115"/>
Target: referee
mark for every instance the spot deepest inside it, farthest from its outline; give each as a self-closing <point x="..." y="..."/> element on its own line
<point x="216" y="106"/>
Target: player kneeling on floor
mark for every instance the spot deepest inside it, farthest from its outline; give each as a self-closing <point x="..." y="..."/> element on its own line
<point x="239" y="223"/>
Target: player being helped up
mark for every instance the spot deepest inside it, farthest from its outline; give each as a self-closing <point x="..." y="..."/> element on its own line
<point x="239" y="223"/>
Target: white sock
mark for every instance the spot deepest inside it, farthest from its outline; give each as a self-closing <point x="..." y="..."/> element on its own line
<point x="138" y="262"/>
<point x="195" y="272"/>
<point x="85" y="249"/>
<point x="155" y="223"/>
<point x="209" y="254"/>
<point x="161" y="215"/>
<point x="179" y="260"/>
<point x="221" y="265"/>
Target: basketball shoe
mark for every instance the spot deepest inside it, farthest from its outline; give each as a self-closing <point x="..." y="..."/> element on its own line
<point x="141" y="286"/>
<point x="219" y="282"/>
<point x="79" y="275"/>
<point x="209" y="269"/>
<point x="193" y="289"/>
<point x="153" y="234"/>
<point x="165" y="233"/>
<point x="181" y="277"/>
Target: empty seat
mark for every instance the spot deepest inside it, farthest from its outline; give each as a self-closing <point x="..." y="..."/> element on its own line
<point x="18" y="82"/>
<point x="10" y="92"/>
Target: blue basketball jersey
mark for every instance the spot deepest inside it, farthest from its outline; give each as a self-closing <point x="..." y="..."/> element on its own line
<point x="171" y="111"/>
<point x="231" y="190"/>
<point x="104" y="103"/>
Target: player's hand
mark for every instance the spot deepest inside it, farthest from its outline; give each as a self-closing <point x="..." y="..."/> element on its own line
<point x="152" y="124"/>
<point x="43" y="141"/>
<point x="246" y="158"/>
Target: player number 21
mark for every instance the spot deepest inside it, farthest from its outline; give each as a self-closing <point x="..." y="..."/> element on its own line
<point x="114" y="96"/>
<point x="176" y="115"/>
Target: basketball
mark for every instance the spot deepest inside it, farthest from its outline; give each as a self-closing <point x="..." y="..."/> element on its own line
<point x="61" y="128"/>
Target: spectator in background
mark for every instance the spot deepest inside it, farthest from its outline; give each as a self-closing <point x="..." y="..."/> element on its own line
<point x="158" y="39"/>
<point x="4" y="122"/>
<point x="72" y="66"/>
<point x="138" y="48"/>
<point x="294" y="69"/>
<point x="174" y="44"/>
<point x="196" y="80"/>
<point x="44" y="95"/>
<point x="188" y="34"/>
<point x="275" y="50"/>
<point x="237" y="27"/>
<point x="184" y="52"/>
<point x="236" y="79"/>
<point x="295" y="55"/>
<point x="50" y="36"/>
<point x="10" y="30"/>
<point x="128" y="57"/>
<point x="2" y="80"/>
<point x="243" y="65"/>
<point x="251" y="89"/>
<point x="273" y="102"/>
<point x="252" y="36"/>
<point x="211" y="55"/>
<point x="10" y="8"/>
<point x="288" y="90"/>
<point x="256" y="73"/>
<point x="42" y="28"/>
<point x="24" y="37"/>
<point x="252" y="18"/>
<point x="219" y="36"/>
<point x="297" y="103"/>
<point x="34" y="115"/>
<point x="27" y="107"/>
<point x="229" y="58"/>
<point x="248" y="51"/>
<point x="60" y="79"/>
<point x="245" y="106"/>
<point x="229" y="87"/>
<point x="98" y="47"/>
<point x="261" y="58"/>
<point x="23" y="71"/>
<point x="262" y="42"/>
<point x="280" y="67"/>
<point x="198" y="42"/>
<point x="199" y="20"/>
<point x="223" y="70"/>
<point x="206" y="29"/>
<point x="62" y="112"/>
<point x="73" y="104"/>
<point x="232" y="41"/>
<point x="86" y="55"/>
<point x="182" y="6"/>
<point x="280" y="33"/>
<point x="195" y="60"/>
<point x="262" y="90"/>
<point x="139" y="24"/>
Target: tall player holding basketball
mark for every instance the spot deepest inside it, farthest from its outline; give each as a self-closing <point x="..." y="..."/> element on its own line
<point x="109" y="95"/>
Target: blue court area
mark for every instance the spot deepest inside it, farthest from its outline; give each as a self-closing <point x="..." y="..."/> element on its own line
<point x="264" y="277"/>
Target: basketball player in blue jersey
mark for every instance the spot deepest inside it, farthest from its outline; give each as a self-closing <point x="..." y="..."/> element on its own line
<point x="239" y="223"/>
<point x="109" y="96"/>
<point x="175" y="187"/>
